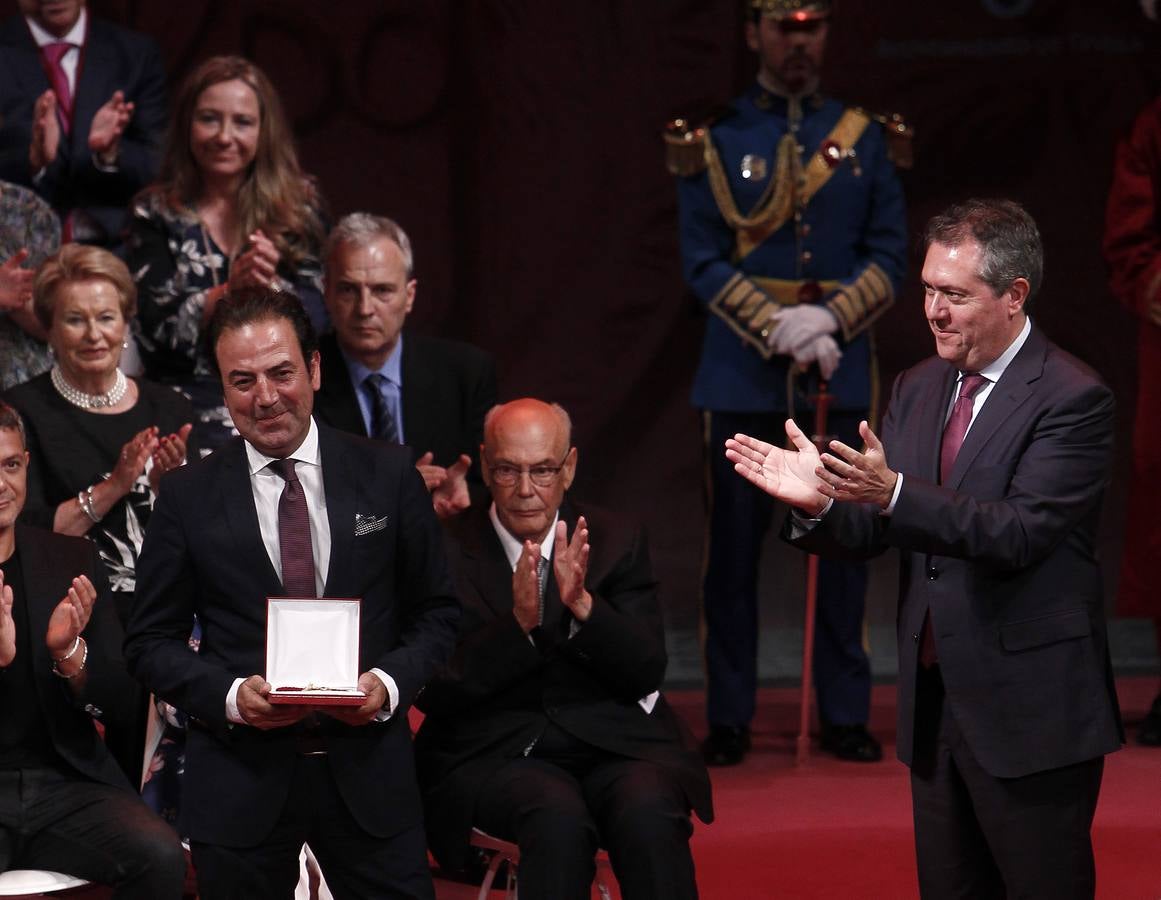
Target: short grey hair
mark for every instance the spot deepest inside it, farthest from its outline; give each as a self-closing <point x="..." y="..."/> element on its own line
<point x="562" y="418"/>
<point x="10" y="421"/>
<point x="362" y="228"/>
<point x="1007" y="235"/>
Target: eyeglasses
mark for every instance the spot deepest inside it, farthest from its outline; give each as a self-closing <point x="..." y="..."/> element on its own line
<point x="541" y="476"/>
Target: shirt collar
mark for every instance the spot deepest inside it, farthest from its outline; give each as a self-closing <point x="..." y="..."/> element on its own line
<point x="75" y="35"/>
<point x="392" y="368"/>
<point x="307" y="452"/>
<point x="993" y="370"/>
<point x="513" y="546"/>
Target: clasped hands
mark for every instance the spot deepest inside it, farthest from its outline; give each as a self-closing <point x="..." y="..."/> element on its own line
<point x="65" y="624"/>
<point x="255" y="708"/>
<point x="570" y="565"/>
<point x="807" y="479"/>
<point x="804" y="332"/>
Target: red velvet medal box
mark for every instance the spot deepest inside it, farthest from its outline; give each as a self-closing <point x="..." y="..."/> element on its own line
<point x="312" y="651"/>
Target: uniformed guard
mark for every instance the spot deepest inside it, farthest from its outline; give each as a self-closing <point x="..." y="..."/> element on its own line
<point x="793" y="236"/>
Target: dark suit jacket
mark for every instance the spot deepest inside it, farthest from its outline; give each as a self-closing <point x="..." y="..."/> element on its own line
<point x="448" y="388"/>
<point x="113" y="58"/>
<point x="203" y="555"/>
<point x="499" y="691"/>
<point x="50" y="562"/>
<point x="1003" y="556"/>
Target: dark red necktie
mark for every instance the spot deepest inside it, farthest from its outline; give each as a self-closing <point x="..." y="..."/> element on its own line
<point x="957" y="426"/>
<point x="953" y="434"/>
<point x="53" y="54"/>
<point x="294" y="542"/>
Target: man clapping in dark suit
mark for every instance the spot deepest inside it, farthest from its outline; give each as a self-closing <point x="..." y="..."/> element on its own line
<point x="292" y="509"/>
<point x="82" y="114"/>
<point x="999" y="450"/>
<point x="64" y="803"/>
<point x="547" y="728"/>
<point x="426" y="392"/>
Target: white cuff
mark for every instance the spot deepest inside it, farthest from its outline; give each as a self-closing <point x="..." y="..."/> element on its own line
<point x="232" y="714"/>
<point x="894" y="496"/>
<point x="392" y="695"/>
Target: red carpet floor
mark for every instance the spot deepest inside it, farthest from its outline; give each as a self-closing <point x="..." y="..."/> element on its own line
<point x="842" y="830"/>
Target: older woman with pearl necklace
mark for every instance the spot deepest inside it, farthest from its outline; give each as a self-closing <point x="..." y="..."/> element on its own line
<point x="99" y="441"/>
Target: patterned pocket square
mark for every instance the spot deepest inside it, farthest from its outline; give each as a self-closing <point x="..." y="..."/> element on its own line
<point x="366" y="524"/>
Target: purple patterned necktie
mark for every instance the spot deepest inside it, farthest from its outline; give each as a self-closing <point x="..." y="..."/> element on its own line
<point x="294" y="542"/>
<point x="53" y="54"/>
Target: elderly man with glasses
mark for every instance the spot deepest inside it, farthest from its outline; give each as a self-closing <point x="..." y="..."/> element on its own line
<point x="547" y="728"/>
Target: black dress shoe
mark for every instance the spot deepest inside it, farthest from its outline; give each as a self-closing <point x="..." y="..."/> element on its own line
<point x="851" y="742"/>
<point x="726" y="745"/>
<point x="1149" y="734"/>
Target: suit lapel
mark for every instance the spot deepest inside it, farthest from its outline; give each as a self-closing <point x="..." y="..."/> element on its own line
<point x="44" y="587"/>
<point x="93" y="87"/>
<point x="22" y="57"/>
<point x="341" y="484"/>
<point x="418" y="391"/>
<point x="1009" y="394"/>
<point x="485" y="564"/>
<point x="237" y="496"/>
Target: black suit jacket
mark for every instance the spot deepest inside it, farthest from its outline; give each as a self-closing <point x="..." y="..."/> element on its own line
<point x="448" y="388"/>
<point x="203" y="555"/>
<point x="50" y="562"/>
<point x="1003" y="557"/>
<point x="113" y="58"/>
<point x="499" y="691"/>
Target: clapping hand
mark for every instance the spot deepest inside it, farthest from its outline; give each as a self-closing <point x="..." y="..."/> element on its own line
<point x="45" y="132"/>
<point x="787" y="475"/>
<point x="131" y="461"/>
<point x="451" y="495"/>
<point x="108" y="125"/>
<point x="257" y="265"/>
<point x="570" y="563"/>
<point x="170" y="454"/>
<point x="7" y="626"/>
<point x="526" y="587"/>
<point x="70" y="617"/>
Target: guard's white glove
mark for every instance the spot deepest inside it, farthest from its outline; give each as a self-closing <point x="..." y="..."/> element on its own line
<point x="823" y="350"/>
<point x="795" y="326"/>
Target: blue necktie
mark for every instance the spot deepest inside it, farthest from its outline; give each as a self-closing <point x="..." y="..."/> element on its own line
<point x="382" y="422"/>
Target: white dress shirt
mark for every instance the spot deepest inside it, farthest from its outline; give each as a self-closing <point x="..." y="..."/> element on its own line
<point x="267" y="485"/>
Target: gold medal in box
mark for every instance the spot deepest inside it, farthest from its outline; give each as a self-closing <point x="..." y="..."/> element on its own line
<point x="312" y="651"/>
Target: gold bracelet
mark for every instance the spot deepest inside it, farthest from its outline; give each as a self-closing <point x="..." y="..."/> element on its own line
<point x="84" y="659"/>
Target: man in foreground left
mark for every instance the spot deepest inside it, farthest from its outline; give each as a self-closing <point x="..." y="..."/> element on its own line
<point x="64" y="803"/>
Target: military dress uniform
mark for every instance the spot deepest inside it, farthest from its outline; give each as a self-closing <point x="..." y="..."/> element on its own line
<point x="784" y="201"/>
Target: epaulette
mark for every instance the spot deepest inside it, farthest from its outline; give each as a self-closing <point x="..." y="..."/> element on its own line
<point x="685" y="147"/>
<point x="899" y="138"/>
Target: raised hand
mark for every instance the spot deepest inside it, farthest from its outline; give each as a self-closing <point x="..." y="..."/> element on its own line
<point x="45" y="132"/>
<point x="433" y="475"/>
<point x="15" y="282"/>
<point x="451" y="496"/>
<point x="7" y="626"/>
<point x="70" y="617"/>
<point x="860" y="477"/>
<point x="131" y="461"/>
<point x="108" y="125"/>
<point x="170" y="454"/>
<point x="570" y="564"/>
<point x="257" y="265"/>
<point x="255" y="709"/>
<point x="526" y="587"/>
<point x="787" y="475"/>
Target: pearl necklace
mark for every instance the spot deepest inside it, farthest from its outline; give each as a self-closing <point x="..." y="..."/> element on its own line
<point x="90" y="401"/>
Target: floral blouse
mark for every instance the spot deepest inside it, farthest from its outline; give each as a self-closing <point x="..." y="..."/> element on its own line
<point x="25" y="221"/>
<point x="174" y="262"/>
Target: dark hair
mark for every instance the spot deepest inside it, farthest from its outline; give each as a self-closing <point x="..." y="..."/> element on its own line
<point x="248" y="305"/>
<point x="1007" y="235"/>
<point x="10" y="420"/>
